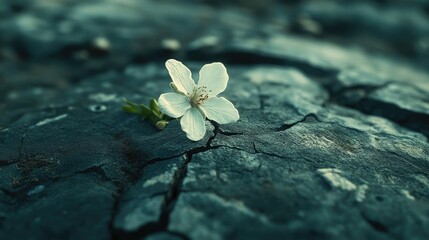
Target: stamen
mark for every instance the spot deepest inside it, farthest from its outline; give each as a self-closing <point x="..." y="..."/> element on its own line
<point x="198" y="96"/>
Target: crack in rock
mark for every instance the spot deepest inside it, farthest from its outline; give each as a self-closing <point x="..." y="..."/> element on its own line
<point x="311" y="116"/>
<point x="359" y="97"/>
<point x="170" y="197"/>
<point x="113" y="174"/>
<point x="226" y="133"/>
<point x="376" y="225"/>
<point x="121" y="190"/>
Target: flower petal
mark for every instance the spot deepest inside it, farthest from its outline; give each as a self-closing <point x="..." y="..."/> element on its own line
<point x="181" y="76"/>
<point x="220" y="110"/>
<point x="214" y="77"/>
<point x="193" y="124"/>
<point x="173" y="104"/>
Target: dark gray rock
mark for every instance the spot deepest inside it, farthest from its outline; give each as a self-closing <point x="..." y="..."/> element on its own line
<point x="53" y="209"/>
<point x="292" y="160"/>
<point x="332" y="140"/>
<point x="144" y="203"/>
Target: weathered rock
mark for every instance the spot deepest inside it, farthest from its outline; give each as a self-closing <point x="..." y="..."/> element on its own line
<point x="332" y="140"/>
<point x="53" y="209"/>
<point x="145" y="204"/>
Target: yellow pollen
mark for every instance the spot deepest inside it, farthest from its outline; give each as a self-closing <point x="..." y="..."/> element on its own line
<point x="198" y="96"/>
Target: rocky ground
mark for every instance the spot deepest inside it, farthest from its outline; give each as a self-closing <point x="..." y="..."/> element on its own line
<point x="332" y="142"/>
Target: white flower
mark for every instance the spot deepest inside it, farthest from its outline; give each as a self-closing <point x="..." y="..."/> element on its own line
<point x="194" y="102"/>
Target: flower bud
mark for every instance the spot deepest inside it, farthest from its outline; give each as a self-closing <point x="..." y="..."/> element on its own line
<point x="161" y="124"/>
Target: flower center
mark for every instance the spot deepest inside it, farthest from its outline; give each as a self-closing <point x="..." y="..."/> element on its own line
<point x="199" y="95"/>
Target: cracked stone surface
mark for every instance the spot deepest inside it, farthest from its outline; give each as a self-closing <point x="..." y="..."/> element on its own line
<point x="332" y="141"/>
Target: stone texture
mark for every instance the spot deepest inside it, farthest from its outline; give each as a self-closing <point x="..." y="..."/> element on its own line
<point x="54" y="209"/>
<point x="332" y="141"/>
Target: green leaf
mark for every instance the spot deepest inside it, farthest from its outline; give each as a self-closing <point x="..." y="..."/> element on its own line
<point x="138" y="109"/>
<point x="130" y="107"/>
<point x="154" y="106"/>
<point x="145" y="111"/>
<point x="152" y="113"/>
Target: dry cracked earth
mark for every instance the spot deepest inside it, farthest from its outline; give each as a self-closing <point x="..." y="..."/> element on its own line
<point x="332" y="142"/>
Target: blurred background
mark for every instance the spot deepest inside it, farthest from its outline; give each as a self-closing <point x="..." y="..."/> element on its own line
<point x="50" y="45"/>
